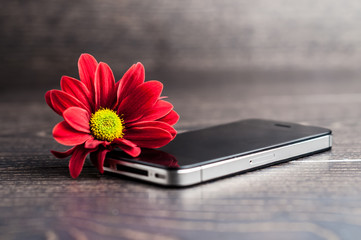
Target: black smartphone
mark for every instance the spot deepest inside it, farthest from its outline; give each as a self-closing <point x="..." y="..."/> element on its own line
<point x="198" y="156"/>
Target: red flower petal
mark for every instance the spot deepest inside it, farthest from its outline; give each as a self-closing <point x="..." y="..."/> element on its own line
<point x="77" y="118"/>
<point x="63" y="154"/>
<point x="87" y="66"/>
<point x="148" y="137"/>
<point x="127" y="146"/>
<point x="94" y="143"/>
<point x="160" y="109"/>
<point x="104" y="86"/>
<point x="155" y="124"/>
<point x="48" y="101"/>
<point x="61" y="101"/>
<point x="140" y="100"/>
<point x="78" y="90"/>
<point x="130" y="80"/>
<point x="171" y="118"/>
<point x="97" y="158"/>
<point x="63" y="133"/>
<point x="77" y="160"/>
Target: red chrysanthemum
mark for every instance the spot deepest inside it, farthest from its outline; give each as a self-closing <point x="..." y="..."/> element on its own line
<point x="100" y="115"/>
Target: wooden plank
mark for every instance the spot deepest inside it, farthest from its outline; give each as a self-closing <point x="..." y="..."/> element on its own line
<point x="317" y="197"/>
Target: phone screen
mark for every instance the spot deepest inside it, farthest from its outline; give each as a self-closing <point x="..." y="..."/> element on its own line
<point x="213" y="144"/>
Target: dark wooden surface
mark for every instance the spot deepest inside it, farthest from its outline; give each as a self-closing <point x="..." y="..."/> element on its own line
<point x="220" y="61"/>
<point x="317" y="197"/>
<point x="41" y="39"/>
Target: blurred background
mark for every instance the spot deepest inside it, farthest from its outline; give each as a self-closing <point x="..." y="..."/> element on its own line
<point x="201" y="50"/>
<point x="220" y="61"/>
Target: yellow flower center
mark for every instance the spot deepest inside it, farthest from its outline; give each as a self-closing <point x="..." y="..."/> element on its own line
<point x="106" y="125"/>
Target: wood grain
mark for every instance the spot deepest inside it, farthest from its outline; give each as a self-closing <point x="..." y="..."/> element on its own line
<point x="220" y="61"/>
<point x="40" y="40"/>
<point x="316" y="197"/>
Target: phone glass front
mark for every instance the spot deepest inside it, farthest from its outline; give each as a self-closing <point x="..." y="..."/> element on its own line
<point x="197" y="148"/>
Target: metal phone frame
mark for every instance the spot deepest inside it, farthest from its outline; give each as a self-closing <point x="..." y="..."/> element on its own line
<point x="191" y="176"/>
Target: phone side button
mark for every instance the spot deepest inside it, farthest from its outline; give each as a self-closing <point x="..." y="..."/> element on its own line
<point x="262" y="159"/>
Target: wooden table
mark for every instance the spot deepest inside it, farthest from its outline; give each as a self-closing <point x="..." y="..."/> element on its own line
<point x="317" y="197"/>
